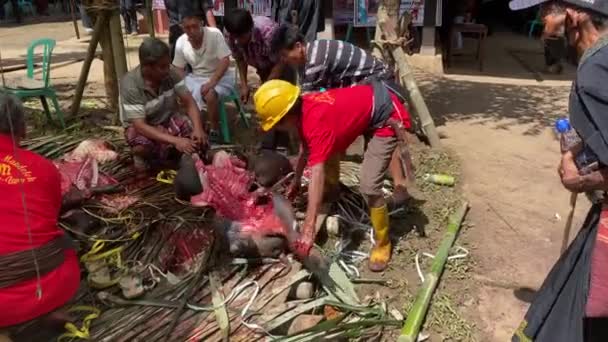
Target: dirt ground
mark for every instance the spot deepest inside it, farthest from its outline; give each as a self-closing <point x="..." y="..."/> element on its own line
<point x="498" y="125"/>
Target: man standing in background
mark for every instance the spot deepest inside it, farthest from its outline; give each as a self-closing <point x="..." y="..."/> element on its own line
<point x="129" y="15"/>
<point x="309" y="16"/>
<point x="553" y="16"/>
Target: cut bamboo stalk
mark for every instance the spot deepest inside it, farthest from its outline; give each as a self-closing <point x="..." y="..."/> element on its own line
<point x="86" y="66"/>
<point x="413" y="323"/>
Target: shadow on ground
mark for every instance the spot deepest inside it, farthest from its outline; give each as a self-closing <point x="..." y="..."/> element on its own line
<point x="535" y="106"/>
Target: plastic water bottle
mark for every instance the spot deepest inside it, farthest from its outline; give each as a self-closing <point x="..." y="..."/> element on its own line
<point x="568" y="137"/>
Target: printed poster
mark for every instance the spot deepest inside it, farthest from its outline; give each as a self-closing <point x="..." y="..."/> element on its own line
<point x="365" y="11"/>
<point x="256" y="7"/>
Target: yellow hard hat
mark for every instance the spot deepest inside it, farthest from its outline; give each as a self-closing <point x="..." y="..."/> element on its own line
<point x="273" y="100"/>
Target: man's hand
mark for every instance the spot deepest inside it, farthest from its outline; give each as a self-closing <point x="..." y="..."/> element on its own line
<point x="200" y="138"/>
<point x="185" y="145"/>
<point x="302" y="246"/>
<point x="205" y="88"/>
<point x="244" y="90"/>
<point x="294" y="188"/>
<point x="568" y="172"/>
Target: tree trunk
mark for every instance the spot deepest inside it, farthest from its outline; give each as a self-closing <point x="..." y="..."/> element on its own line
<point x="100" y="25"/>
<point x="109" y="69"/>
<point x="386" y="29"/>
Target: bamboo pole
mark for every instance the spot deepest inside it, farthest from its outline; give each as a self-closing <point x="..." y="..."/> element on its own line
<point x="100" y="23"/>
<point x="387" y="22"/>
<point x="425" y="294"/>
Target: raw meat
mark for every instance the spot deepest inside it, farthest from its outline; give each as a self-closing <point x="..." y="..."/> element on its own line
<point x="226" y="188"/>
<point x="79" y="169"/>
<point x="91" y="148"/>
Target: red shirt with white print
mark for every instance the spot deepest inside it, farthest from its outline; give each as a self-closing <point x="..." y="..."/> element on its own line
<point x="24" y="172"/>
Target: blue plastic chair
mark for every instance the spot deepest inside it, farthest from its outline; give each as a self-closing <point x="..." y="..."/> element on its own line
<point x="31" y="87"/>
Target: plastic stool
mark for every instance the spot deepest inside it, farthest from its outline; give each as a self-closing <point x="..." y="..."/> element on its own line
<point x="224" y="125"/>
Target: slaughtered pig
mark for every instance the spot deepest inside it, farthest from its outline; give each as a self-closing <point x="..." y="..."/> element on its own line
<point x="251" y="229"/>
<point x="270" y="167"/>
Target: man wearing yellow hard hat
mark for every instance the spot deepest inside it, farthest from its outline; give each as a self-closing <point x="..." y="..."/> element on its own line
<point x="328" y="123"/>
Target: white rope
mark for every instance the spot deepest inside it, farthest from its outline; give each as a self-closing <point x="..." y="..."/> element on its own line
<point x="463" y="254"/>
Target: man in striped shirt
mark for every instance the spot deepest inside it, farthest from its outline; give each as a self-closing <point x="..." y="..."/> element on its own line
<point x="330" y="63"/>
<point x="336" y="64"/>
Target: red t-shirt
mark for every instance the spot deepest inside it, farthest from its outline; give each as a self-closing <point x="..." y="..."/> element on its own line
<point x="333" y="119"/>
<point x="41" y="185"/>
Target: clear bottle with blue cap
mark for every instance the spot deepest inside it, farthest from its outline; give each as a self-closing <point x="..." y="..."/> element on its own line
<point x="568" y="136"/>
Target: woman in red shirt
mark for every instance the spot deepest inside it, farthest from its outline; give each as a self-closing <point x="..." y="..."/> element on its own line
<point x="48" y="274"/>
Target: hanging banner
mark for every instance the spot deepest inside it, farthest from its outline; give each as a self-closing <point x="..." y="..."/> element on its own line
<point x="256" y="7"/>
<point x="365" y="11"/>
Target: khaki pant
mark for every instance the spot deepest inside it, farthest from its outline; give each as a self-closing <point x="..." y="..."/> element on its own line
<point x="4" y="337"/>
<point x="332" y="179"/>
<point x="376" y="160"/>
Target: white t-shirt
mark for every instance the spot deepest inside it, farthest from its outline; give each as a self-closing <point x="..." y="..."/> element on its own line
<point x="205" y="60"/>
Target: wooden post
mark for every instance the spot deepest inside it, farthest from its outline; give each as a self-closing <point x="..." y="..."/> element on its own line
<point x="100" y="24"/>
<point x="150" y="18"/>
<point x="118" y="45"/>
<point x="109" y="69"/>
<point x="386" y="29"/>
<point x="118" y="49"/>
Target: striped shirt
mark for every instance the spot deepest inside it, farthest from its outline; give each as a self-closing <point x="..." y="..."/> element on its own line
<point x="337" y="64"/>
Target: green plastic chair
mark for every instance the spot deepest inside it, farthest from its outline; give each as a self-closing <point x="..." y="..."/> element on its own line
<point x="537" y="22"/>
<point x="26" y="7"/>
<point x="224" y="124"/>
<point x="31" y="87"/>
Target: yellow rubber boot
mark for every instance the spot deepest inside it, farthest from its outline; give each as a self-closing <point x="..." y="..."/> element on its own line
<point x="381" y="252"/>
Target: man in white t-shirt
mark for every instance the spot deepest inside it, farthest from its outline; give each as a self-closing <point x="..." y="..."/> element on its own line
<point x="206" y="51"/>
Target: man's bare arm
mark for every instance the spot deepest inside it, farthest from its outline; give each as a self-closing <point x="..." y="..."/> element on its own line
<point x="315" y="197"/>
<point x="211" y="18"/>
<point x="242" y="66"/>
<point x="192" y="110"/>
<point x="276" y="71"/>
<point x="220" y="71"/>
<point x="181" y="72"/>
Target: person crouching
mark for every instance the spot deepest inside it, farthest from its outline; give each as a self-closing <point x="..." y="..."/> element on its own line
<point x="328" y="123"/>
<point x="153" y="98"/>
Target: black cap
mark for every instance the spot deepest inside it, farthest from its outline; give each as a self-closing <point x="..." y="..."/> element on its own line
<point x="598" y="6"/>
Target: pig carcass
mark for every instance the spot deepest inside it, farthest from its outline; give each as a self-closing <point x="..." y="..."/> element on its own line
<point x="251" y="227"/>
<point x="81" y="178"/>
